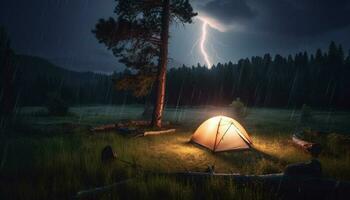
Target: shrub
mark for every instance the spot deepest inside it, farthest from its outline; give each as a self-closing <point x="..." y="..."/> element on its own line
<point x="239" y="109"/>
<point x="338" y="144"/>
<point x="306" y="114"/>
<point x="56" y="105"/>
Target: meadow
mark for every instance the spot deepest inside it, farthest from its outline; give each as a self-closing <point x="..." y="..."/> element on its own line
<point x="55" y="157"/>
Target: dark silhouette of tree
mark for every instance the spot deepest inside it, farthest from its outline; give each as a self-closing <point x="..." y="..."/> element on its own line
<point x="7" y="74"/>
<point x="139" y="36"/>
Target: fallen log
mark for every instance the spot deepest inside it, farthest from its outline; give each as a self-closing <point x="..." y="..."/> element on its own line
<point x="131" y="126"/>
<point x="285" y="186"/>
<point x="122" y="125"/>
<point x="98" y="190"/>
<point x="313" y="148"/>
<point x="106" y="127"/>
<point x="159" y="132"/>
<point x="140" y="122"/>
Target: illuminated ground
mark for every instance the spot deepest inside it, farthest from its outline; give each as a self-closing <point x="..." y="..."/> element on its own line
<point x="59" y="156"/>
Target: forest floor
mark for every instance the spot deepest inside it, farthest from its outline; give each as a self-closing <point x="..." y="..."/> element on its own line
<point x="55" y="157"/>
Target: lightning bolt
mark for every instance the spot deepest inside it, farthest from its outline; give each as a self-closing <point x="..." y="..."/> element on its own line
<point x="203" y="39"/>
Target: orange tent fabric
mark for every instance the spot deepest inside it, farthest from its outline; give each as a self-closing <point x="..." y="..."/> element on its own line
<point x="222" y="133"/>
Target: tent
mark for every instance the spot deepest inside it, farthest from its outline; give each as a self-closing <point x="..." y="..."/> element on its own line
<point x="222" y="133"/>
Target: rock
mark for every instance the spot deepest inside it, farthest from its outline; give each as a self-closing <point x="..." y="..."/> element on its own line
<point x="312" y="168"/>
<point x="108" y="155"/>
<point x="210" y="169"/>
<point x="315" y="149"/>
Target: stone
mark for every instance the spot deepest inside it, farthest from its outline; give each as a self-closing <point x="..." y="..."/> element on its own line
<point x="108" y="155"/>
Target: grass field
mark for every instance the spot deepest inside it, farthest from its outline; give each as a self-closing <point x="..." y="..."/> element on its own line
<point x="54" y="157"/>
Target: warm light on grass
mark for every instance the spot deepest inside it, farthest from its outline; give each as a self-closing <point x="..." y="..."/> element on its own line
<point x="51" y="162"/>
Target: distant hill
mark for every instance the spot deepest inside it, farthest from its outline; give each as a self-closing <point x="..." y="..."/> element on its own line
<point x="32" y="67"/>
<point x="37" y="77"/>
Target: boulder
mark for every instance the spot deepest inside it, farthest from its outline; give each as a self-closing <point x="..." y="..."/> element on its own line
<point x="108" y="155"/>
<point x="210" y="169"/>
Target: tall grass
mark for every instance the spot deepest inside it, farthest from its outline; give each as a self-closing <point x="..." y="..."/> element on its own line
<point x="55" y="161"/>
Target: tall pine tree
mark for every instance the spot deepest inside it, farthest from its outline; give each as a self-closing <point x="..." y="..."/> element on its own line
<point x="139" y="38"/>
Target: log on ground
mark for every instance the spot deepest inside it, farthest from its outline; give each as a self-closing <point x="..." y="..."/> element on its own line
<point x="106" y="127"/>
<point x="159" y="132"/>
<point x="309" y="147"/>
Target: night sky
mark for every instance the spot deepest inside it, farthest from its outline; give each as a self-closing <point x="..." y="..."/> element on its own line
<point x="60" y="30"/>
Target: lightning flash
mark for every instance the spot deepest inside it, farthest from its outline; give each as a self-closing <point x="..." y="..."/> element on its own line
<point x="203" y="39"/>
<point x="213" y="24"/>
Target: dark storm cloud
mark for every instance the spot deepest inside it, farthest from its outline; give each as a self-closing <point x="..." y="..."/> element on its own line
<point x="286" y="17"/>
<point x="303" y="18"/>
<point x="227" y="11"/>
<point x="59" y="30"/>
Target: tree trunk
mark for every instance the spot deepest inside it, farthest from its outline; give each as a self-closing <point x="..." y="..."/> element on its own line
<point x="161" y="74"/>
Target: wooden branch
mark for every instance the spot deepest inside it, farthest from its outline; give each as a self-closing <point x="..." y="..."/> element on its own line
<point x="285" y="186"/>
<point x="106" y="127"/>
<point x="97" y="190"/>
<point x="159" y="132"/>
<point x="309" y="147"/>
<point x="238" y="178"/>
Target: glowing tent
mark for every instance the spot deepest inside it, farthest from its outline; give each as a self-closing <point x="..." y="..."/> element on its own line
<point x="221" y="133"/>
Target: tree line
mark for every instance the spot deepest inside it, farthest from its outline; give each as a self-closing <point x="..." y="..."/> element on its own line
<point x="320" y="80"/>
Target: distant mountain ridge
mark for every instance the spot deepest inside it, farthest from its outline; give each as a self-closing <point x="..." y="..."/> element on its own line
<point x="37" y="77"/>
<point x="33" y="66"/>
